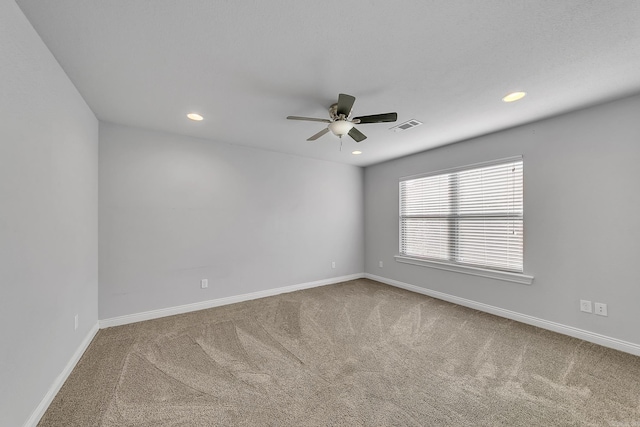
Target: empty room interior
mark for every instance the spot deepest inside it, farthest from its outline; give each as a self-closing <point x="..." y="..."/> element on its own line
<point x="361" y="213"/>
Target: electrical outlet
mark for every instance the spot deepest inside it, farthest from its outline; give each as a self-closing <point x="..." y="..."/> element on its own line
<point x="585" y="306"/>
<point x="601" y="309"/>
<point x="75" y="322"/>
<point x="380" y="264"/>
<point x="204" y="283"/>
<point x="333" y="264"/>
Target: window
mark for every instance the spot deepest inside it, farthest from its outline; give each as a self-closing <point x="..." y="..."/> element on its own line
<point x="469" y="216"/>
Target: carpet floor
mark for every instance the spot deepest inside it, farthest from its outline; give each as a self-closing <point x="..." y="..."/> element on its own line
<point x="358" y="353"/>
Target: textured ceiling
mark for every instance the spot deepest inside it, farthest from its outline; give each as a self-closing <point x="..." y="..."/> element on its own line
<point x="246" y="65"/>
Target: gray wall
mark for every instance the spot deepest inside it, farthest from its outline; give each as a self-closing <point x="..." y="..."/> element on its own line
<point x="175" y="209"/>
<point x="582" y="227"/>
<point x="48" y="218"/>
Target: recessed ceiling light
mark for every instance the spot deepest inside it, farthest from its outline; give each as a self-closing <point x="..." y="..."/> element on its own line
<point x="514" y="96"/>
<point x="195" y="117"/>
<point x="356" y="152"/>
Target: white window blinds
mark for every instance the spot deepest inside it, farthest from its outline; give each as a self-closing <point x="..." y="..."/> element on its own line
<point x="469" y="216"/>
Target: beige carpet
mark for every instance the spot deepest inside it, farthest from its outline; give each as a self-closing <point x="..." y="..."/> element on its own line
<point x="353" y="354"/>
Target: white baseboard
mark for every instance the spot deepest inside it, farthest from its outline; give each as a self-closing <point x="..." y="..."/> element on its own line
<point x="34" y="419"/>
<point x="170" y="311"/>
<point x="603" y="340"/>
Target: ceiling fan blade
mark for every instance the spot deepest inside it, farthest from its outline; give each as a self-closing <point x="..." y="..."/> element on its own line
<point x="318" y="135"/>
<point x="345" y="104"/>
<point x="308" y="119"/>
<point x="378" y="118"/>
<point x="357" y="135"/>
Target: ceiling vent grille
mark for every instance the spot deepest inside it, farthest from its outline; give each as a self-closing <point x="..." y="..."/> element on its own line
<point x="406" y="125"/>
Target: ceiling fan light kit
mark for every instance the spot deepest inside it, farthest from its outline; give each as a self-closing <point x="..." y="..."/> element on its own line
<point x="340" y="127"/>
<point x="340" y="124"/>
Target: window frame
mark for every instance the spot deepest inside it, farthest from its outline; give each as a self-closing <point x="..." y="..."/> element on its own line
<point x="482" y="271"/>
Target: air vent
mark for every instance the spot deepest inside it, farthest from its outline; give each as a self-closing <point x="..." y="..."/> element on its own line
<point x="406" y="125"/>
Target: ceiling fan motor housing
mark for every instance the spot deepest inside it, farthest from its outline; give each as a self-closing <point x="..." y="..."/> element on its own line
<point x="333" y="111"/>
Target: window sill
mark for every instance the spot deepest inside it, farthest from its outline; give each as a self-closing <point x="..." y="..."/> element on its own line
<point x="465" y="269"/>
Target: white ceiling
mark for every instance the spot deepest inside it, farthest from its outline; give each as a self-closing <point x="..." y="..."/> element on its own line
<point x="246" y="65"/>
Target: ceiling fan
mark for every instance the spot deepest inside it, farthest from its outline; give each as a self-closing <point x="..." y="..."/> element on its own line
<point x="341" y="125"/>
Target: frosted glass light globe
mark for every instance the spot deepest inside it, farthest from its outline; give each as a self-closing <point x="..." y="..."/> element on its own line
<point x="340" y="127"/>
